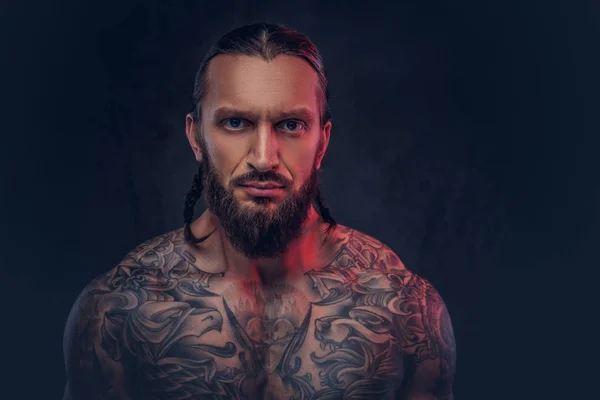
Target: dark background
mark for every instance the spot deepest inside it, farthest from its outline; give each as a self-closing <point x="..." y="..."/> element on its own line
<point x="464" y="137"/>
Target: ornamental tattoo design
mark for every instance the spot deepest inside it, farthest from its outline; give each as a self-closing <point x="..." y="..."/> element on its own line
<point x="158" y="327"/>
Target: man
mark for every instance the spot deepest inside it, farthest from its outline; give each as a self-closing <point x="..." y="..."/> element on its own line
<point x="263" y="296"/>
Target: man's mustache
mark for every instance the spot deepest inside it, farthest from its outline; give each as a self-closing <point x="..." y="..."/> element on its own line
<point x="269" y="176"/>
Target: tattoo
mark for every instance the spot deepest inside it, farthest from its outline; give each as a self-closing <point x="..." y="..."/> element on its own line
<point x="158" y="327"/>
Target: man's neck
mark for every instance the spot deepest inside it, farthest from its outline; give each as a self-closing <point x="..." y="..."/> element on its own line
<point x="303" y="253"/>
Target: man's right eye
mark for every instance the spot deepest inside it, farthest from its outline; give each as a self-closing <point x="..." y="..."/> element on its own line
<point x="234" y="124"/>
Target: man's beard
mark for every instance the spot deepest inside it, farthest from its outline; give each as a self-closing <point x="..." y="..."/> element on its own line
<point x="258" y="232"/>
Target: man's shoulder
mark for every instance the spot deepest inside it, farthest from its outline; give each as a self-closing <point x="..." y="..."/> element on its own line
<point x="158" y="251"/>
<point x="369" y="261"/>
<point x="145" y="273"/>
<point x="362" y="252"/>
<point x="164" y="253"/>
<point x="372" y="276"/>
<point x="148" y="264"/>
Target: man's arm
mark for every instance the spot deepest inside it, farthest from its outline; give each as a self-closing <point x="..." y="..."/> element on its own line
<point x="91" y="372"/>
<point x="434" y="357"/>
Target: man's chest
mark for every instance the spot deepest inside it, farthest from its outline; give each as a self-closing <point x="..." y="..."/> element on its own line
<point x="236" y="339"/>
<point x="304" y="347"/>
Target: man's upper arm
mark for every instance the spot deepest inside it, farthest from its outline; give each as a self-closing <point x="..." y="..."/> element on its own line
<point x="91" y="373"/>
<point x="434" y="357"/>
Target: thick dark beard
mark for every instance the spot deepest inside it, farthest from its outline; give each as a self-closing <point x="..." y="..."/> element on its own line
<point x="258" y="233"/>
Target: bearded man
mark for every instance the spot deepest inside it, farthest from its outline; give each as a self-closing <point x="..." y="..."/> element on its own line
<point x="264" y="296"/>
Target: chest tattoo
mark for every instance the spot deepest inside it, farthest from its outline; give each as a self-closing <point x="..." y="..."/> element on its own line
<point x="187" y="334"/>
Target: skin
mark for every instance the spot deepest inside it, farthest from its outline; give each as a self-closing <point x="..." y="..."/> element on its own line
<point x="265" y="96"/>
<point x="337" y="316"/>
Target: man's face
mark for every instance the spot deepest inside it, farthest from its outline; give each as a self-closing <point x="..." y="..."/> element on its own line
<point x="260" y="124"/>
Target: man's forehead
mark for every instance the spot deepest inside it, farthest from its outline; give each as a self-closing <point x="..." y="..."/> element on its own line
<point x="250" y="82"/>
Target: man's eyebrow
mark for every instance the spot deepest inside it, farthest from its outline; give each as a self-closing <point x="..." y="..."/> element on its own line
<point x="301" y="113"/>
<point x="230" y="112"/>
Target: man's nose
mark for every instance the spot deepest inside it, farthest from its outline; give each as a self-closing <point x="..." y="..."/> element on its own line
<point x="264" y="154"/>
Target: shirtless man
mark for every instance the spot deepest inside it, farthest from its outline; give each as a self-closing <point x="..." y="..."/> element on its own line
<point x="263" y="296"/>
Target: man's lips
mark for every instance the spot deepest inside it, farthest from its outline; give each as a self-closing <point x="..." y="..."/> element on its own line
<point x="263" y="185"/>
<point x="263" y="189"/>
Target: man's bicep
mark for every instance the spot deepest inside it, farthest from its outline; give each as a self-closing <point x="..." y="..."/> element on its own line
<point x="91" y="372"/>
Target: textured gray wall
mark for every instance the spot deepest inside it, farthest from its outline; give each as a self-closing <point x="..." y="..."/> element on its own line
<point x="462" y="138"/>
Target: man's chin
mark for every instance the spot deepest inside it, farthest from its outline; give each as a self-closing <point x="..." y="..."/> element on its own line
<point x="252" y="211"/>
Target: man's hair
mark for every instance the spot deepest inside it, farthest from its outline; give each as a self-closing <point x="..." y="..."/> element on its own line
<point x="266" y="41"/>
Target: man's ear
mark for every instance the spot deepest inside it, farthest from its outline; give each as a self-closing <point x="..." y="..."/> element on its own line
<point x="323" y="143"/>
<point x="191" y="128"/>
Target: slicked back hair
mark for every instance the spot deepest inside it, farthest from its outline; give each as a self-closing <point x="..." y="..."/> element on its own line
<point x="265" y="41"/>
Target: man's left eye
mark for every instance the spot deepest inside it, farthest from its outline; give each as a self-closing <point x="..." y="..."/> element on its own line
<point x="292" y="125"/>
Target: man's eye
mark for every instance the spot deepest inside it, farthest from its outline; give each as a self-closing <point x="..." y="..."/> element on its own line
<point x="234" y="123"/>
<point x="292" y="125"/>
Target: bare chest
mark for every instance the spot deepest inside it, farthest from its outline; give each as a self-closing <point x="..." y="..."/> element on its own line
<point x="235" y="339"/>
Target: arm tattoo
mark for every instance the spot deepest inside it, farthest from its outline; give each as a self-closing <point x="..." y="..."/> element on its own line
<point x="158" y="327"/>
